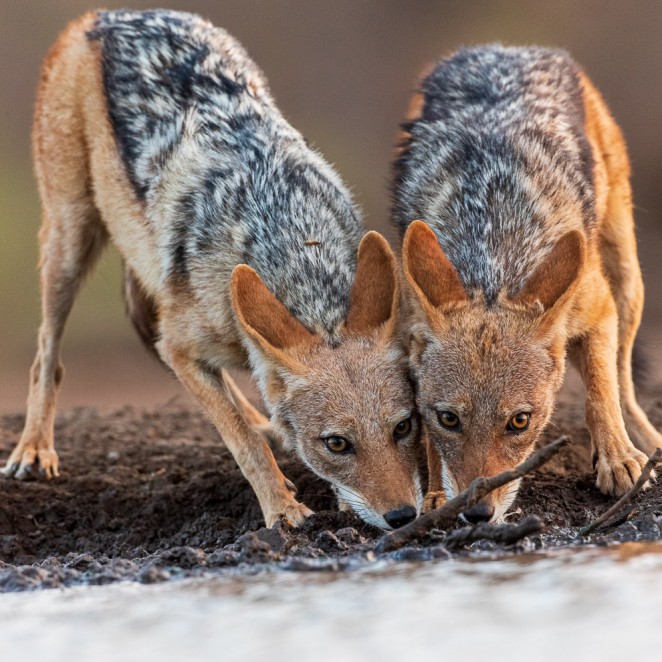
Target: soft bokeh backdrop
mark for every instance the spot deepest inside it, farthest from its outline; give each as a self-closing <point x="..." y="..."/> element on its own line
<point x="342" y="72"/>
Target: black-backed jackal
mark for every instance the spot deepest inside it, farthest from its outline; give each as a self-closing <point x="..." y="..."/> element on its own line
<point x="155" y="130"/>
<point x="527" y="254"/>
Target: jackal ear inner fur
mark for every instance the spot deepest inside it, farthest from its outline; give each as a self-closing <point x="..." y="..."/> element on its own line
<point x="438" y="285"/>
<point x="262" y="315"/>
<point x="555" y="276"/>
<point x="428" y="270"/>
<point x="374" y="298"/>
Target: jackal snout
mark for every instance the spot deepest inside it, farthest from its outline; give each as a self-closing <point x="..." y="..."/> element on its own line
<point x="472" y="459"/>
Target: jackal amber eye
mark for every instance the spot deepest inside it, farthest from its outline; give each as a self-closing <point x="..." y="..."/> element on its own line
<point x="519" y="422"/>
<point x="338" y="445"/>
<point x="449" y="420"/>
<point x="402" y="429"/>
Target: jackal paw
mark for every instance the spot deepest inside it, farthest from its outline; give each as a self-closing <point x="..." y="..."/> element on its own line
<point x="29" y="462"/>
<point x="618" y="472"/>
<point x="434" y="500"/>
<point x="293" y="515"/>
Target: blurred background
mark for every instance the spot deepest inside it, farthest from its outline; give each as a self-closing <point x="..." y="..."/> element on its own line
<point x="342" y="72"/>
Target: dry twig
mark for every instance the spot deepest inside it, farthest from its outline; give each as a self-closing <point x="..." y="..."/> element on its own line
<point x="446" y="515"/>
<point x="653" y="460"/>
<point x="506" y="534"/>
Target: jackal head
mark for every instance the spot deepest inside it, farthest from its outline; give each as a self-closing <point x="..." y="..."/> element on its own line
<point x="345" y="406"/>
<point x="487" y="374"/>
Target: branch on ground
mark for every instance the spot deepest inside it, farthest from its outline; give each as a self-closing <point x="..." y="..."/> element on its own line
<point x="505" y="534"/>
<point x="653" y="460"/>
<point x="444" y="517"/>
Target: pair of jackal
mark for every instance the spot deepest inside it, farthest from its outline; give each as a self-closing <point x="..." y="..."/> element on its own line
<point x="242" y="247"/>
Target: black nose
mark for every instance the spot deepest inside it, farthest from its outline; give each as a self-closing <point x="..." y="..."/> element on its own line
<point x="400" y="516"/>
<point x="481" y="512"/>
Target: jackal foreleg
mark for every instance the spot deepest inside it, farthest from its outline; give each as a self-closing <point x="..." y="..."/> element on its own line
<point x="249" y="449"/>
<point x="256" y="419"/>
<point x="617" y="462"/>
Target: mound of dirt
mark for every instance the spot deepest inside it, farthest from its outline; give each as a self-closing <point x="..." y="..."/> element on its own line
<point x="152" y="495"/>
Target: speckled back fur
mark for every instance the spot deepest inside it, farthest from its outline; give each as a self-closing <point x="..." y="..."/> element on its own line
<point x="497" y="163"/>
<point x="187" y="103"/>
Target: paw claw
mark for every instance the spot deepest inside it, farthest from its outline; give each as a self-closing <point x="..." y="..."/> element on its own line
<point x="9" y="470"/>
<point x="29" y="462"/>
<point x="24" y="473"/>
<point x="291" y="486"/>
<point x="619" y="472"/>
<point x="292" y="516"/>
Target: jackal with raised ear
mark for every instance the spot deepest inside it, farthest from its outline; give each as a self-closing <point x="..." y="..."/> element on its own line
<point x="241" y="247"/>
<point x="511" y="189"/>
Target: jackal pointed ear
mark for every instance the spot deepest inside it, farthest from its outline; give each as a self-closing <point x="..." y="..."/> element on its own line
<point x="375" y="294"/>
<point x="265" y="319"/>
<point x="556" y="275"/>
<point x="429" y="272"/>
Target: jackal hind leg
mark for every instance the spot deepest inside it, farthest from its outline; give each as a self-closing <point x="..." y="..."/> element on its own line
<point x="274" y="491"/>
<point x="72" y="237"/>
<point x="619" y="256"/>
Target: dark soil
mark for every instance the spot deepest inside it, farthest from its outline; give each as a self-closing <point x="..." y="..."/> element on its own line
<point x="149" y="496"/>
